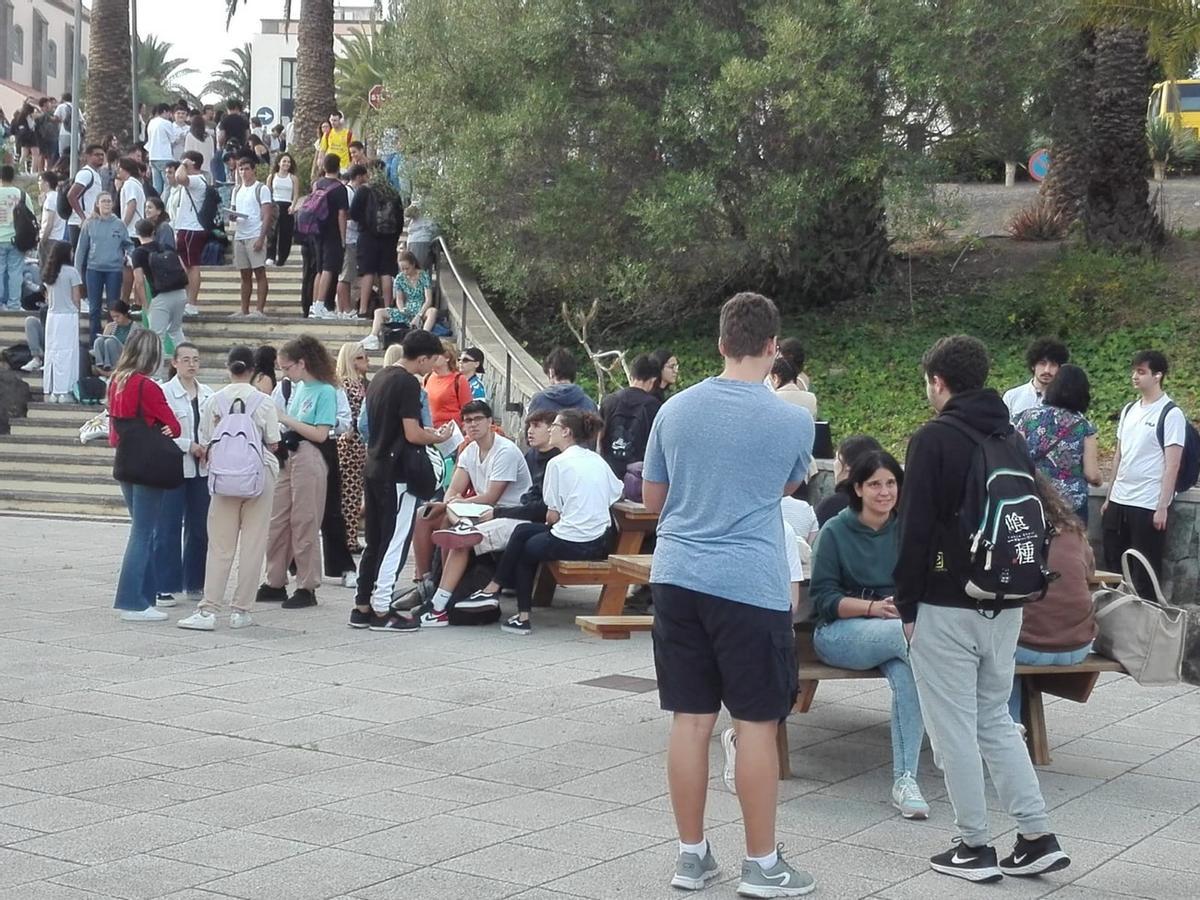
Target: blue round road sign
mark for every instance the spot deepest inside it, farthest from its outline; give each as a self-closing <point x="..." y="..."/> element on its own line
<point x="266" y="114"/>
<point x="1039" y="165"/>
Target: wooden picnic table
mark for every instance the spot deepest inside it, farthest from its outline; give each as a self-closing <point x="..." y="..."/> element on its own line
<point x="635" y="567"/>
<point x="633" y="522"/>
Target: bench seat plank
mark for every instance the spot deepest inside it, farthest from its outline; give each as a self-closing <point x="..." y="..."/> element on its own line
<point x="614" y="628"/>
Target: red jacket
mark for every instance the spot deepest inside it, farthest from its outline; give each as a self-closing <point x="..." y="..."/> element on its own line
<point x="123" y="404"/>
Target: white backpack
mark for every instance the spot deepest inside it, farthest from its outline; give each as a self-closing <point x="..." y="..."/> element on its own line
<point x="235" y="454"/>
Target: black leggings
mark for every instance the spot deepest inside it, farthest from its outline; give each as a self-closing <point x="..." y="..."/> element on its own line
<point x="1124" y="527"/>
<point x="532" y="544"/>
<point x="281" y="234"/>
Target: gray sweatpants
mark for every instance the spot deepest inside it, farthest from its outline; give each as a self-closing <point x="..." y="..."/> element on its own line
<point x="166" y="314"/>
<point x="963" y="664"/>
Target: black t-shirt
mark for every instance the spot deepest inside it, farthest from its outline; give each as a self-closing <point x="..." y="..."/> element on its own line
<point x="628" y="415"/>
<point x="236" y="128"/>
<point x="337" y="201"/>
<point x="393" y="396"/>
<point x="140" y="259"/>
<point x="831" y="506"/>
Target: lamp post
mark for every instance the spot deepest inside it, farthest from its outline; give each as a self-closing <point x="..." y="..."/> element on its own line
<point x="135" y="131"/>
<point x="76" y="118"/>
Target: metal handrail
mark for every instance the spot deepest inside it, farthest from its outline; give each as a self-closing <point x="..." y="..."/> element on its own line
<point x="468" y="296"/>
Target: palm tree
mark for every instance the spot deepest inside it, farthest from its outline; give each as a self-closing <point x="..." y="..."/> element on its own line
<point x="315" y="97"/>
<point x="160" y="75"/>
<point x="366" y="57"/>
<point x="232" y="80"/>
<point x="108" y="102"/>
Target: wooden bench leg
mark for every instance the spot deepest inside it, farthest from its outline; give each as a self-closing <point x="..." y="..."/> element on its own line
<point x="804" y="697"/>
<point x="781" y="747"/>
<point x="1034" y="718"/>
<point x="543" y="587"/>
<point x="612" y="598"/>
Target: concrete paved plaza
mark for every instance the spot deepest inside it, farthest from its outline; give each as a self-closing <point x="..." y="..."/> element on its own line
<point x="300" y="759"/>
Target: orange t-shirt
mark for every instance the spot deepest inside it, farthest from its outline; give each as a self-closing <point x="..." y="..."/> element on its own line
<point x="447" y="395"/>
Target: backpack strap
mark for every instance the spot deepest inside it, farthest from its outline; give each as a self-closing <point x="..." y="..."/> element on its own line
<point x="1160" y="429"/>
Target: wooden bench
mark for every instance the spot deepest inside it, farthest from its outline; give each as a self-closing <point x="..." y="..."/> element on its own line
<point x="1069" y="682"/>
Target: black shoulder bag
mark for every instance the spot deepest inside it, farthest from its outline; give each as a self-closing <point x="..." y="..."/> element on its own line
<point x="144" y="454"/>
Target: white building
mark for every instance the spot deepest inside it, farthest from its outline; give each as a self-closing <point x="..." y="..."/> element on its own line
<point x="36" y="41"/>
<point x="273" y="56"/>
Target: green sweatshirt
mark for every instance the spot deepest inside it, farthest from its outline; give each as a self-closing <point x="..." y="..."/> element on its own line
<point x="852" y="560"/>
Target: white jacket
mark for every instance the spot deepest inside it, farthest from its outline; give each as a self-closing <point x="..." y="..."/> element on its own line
<point x="181" y="405"/>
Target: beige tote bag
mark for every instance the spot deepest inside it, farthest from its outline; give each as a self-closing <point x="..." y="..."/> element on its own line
<point x="1145" y="635"/>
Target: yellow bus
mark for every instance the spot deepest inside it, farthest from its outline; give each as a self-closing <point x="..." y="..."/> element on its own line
<point x="1178" y="99"/>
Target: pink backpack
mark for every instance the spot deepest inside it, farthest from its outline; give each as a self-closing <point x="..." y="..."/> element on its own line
<point x="235" y="454"/>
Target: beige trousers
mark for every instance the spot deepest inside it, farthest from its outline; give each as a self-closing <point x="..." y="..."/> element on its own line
<point x="234" y="521"/>
<point x="296" y="519"/>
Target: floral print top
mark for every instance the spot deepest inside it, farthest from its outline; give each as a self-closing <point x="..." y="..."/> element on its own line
<point x="414" y="294"/>
<point x="1055" y="438"/>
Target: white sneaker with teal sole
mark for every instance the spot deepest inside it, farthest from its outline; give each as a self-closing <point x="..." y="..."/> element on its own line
<point x="906" y="797"/>
<point x="781" y="880"/>
<point x="692" y="872"/>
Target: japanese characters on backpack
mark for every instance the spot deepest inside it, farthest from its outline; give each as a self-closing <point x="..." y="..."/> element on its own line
<point x="1002" y="520"/>
<point x="235" y="454"/>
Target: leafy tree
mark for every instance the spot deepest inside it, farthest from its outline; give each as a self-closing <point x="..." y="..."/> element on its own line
<point x="653" y="153"/>
<point x="315" y="98"/>
<point x="232" y="80"/>
<point x="365" y="60"/>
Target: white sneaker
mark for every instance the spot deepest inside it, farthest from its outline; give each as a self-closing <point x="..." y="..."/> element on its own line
<point x="164" y="601"/>
<point x="63" y="398"/>
<point x="34" y="365"/>
<point x="271" y="262"/>
<point x="191" y="310"/>
<point x="321" y="311"/>
<point x="238" y="314"/>
<point x="350" y="579"/>
<point x="906" y="797"/>
<point x="198" y="621"/>
<point x="149" y="614"/>
<point x="256" y="314"/>
<point x="240" y="620"/>
<point x="370" y="342"/>
<point x="729" y="745"/>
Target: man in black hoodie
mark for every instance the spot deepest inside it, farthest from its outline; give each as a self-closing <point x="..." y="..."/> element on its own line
<point x="962" y="654"/>
<point x="628" y="415"/>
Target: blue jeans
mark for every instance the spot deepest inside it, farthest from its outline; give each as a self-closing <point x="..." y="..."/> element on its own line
<point x="181" y="540"/>
<point x="158" y="171"/>
<point x="101" y="284"/>
<point x="1027" y="657"/>
<point x="868" y="643"/>
<point x="12" y="261"/>
<point x="135" y="586"/>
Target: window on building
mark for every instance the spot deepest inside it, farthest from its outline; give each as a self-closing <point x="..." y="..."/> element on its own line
<point x="6" y="47"/>
<point x="52" y="59"/>
<point x="38" y="52"/>
<point x="287" y="88"/>
<point x="18" y="45"/>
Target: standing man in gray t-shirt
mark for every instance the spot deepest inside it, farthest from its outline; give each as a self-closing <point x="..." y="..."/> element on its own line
<point x="723" y="618"/>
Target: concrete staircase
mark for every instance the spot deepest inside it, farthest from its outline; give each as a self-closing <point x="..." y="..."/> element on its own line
<point x="43" y="467"/>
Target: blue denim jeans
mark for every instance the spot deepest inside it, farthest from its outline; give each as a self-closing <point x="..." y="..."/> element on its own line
<point x="181" y="540"/>
<point x="1027" y="657"/>
<point x="158" y="173"/>
<point x="869" y="643"/>
<point x="135" y="585"/>
<point x="12" y="261"/>
<point x="101" y="284"/>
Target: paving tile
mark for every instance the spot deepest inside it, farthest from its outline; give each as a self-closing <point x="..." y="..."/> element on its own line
<point x="54" y="813"/>
<point x="69" y="778"/>
<point x="320" y="827"/>
<point x="517" y="863"/>
<point x="139" y="877"/>
<point x="431" y="840"/>
<point x="395" y="807"/>
<point x="441" y="883"/>
<point x="19" y="868"/>
<point x="1141" y="880"/>
<point x="1092" y="818"/>
<point x="585" y="839"/>
<point x="45" y="890"/>
<point x="233" y="850"/>
<point x="114" y="839"/>
<point x="929" y="885"/>
<point x="318" y="875"/>
<point x="200" y="751"/>
<point x="1164" y="853"/>
<point x="1148" y="792"/>
<point x="537" y="810"/>
<point x="248" y="805"/>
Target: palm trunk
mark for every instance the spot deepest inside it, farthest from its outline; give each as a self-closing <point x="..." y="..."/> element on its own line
<point x="1117" y="211"/>
<point x="315" y="98"/>
<point x="108" y="94"/>
<point x="1065" y="186"/>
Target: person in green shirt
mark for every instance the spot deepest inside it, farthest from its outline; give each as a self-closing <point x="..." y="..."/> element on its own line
<point x="858" y="626"/>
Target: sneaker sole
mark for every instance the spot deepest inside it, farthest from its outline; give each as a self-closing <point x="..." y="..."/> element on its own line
<point x="773" y="890"/>
<point x="199" y="627"/>
<point x="694" y="884"/>
<point x="991" y="873"/>
<point x="358" y="625"/>
<point x="1051" y="862"/>
<point x="910" y="814"/>
<point x="520" y="631"/>
<point x="434" y="624"/>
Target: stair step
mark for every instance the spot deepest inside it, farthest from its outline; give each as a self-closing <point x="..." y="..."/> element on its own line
<point x="63" y="504"/>
<point x="78" y="485"/>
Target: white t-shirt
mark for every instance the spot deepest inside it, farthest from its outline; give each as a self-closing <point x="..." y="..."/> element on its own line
<point x="65" y="112"/>
<point x="1021" y="398"/>
<point x="248" y="201"/>
<point x="1139" y="477"/>
<point x="283" y="188"/>
<point x="60" y="294"/>
<point x="581" y="486"/>
<point x="504" y="462"/>
<point x="189" y="209"/>
<point x="160" y="135"/>
<point x="791" y="544"/>
<point x="54" y="226"/>
<point x="90" y="179"/>
<point x="800" y="515"/>
<point x="133" y="190"/>
<point x="351" y="225"/>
